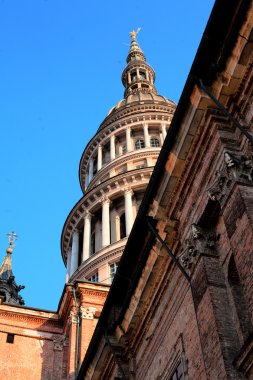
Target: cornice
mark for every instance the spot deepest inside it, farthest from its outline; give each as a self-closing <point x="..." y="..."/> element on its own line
<point x="33" y="319"/>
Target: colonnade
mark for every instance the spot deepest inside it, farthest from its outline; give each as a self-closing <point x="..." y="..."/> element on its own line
<point x="129" y="148"/>
<point x="73" y="254"/>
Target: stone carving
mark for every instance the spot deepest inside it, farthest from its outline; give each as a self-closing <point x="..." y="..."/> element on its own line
<point x="236" y="168"/>
<point x="73" y="317"/>
<point x="199" y="242"/>
<point x="88" y="312"/>
<point x="59" y="342"/>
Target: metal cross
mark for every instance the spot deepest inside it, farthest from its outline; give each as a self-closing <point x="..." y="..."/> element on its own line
<point x="12" y="237"/>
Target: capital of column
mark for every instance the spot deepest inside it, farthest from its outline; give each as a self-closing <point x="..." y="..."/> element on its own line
<point x="128" y="190"/>
<point x="105" y="200"/>
<point x="88" y="215"/>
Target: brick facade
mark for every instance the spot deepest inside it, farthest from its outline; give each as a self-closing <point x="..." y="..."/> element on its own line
<point x="47" y="345"/>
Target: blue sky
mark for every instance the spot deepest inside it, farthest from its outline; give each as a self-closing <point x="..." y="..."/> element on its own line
<point x="61" y="63"/>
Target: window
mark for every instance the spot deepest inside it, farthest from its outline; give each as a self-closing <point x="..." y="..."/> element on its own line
<point x="139" y="144"/>
<point x="142" y="74"/>
<point x="133" y="76"/>
<point x="10" y="338"/>
<point x="154" y="143"/>
<point x="113" y="268"/>
<point x="94" y="277"/>
<point x="178" y="374"/>
<point x="123" y="149"/>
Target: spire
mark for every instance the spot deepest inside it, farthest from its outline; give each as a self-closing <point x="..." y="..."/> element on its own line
<point x="138" y="76"/>
<point x="8" y="288"/>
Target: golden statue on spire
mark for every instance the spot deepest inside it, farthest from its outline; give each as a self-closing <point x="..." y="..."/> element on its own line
<point x="133" y="34"/>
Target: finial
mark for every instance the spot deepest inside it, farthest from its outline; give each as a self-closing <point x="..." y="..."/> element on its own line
<point x="12" y="237"/>
<point x="133" y="34"/>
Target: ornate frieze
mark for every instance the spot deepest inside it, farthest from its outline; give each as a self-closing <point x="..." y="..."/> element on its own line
<point x="199" y="242"/>
<point x="235" y="169"/>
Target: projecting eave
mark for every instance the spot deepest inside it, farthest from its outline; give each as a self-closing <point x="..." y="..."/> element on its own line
<point x="214" y="52"/>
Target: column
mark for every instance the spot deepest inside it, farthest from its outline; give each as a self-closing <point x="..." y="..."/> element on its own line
<point x="112" y="147"/>
<point x="114" y="225"/>
<point x="90" y="169"/>
<point x="99" y="162"/>
<point x="86" y="236"/>
<point x="105" y="222"/>
<point x="128" y="139"/>
<point x="120" y="150"/>
<point x="68" y="265"/>
<point x="146" y="136"/>
<point x="164" y="131"/>
<point x="128" y="210"/>
<point x="74" y="252"/>
<point x="129" y="77"/>
<point x="161" y="138"/>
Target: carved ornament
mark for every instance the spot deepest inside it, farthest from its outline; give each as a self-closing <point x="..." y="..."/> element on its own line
<point x="235" y="169"/>
<point x="199" y="242"/>
<point x="88" y="312"/>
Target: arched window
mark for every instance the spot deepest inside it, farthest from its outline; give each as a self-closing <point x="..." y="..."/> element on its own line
<point x="122" y="226"/>
<point x="154" y="143"/>
<point x="139" y="144"/>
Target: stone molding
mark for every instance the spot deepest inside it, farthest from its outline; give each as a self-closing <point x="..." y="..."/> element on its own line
<point x="199" y="242"/>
